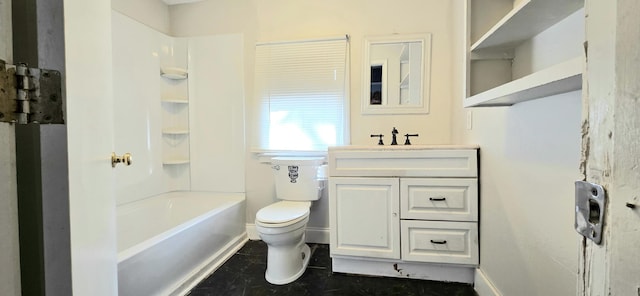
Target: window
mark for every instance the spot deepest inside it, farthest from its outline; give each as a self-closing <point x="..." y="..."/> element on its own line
<point x="302" y="89"/>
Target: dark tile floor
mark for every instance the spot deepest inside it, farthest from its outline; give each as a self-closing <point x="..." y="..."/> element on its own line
<point x="243" y="274"/>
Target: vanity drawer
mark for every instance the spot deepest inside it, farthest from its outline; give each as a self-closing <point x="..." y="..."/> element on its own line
<point x="439" y="199"/>
<point x="439" y="242"/>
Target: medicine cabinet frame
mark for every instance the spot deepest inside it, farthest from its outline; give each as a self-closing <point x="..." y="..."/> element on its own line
<point x="404" y="89"/>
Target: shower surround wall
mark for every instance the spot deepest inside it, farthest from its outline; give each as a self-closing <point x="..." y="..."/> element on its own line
<point x="211" y="115"/>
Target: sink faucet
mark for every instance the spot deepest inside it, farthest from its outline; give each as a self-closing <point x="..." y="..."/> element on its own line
<point x="394" y="132"/>
<point x="407" y="142"/>
<point x="379" y="138"/>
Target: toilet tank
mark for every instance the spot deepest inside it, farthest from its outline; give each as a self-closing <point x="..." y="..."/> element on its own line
<point x="299" y="178"/>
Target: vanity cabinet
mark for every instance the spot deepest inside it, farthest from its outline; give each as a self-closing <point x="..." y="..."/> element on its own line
<point x="415" y="207"/>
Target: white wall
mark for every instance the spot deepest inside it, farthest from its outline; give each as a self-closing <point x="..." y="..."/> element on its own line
<point x="216" y="113"/>
<point x="276" y="20"/>
<point x="153" y="13"/>
<point x="529" y="160"/>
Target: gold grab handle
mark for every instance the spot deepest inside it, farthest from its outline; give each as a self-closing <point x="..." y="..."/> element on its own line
<point x="127" y="159"/>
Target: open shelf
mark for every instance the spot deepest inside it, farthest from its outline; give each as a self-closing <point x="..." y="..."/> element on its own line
<point x="404" y="83"/>
<point x="560" y="78"/>
<point x="176" y="100"/>
<point x="176" y="161"/>
<point x="175" y="131"/>
<point x="526" y="20"/>
<point x="174" y="73"/>
<point x="531" y="34"/>
<point x="175" y="134"/>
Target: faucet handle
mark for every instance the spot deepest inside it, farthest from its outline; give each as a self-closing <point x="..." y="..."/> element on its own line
<point x="394" y="132"/>
<point x="407" y="142"/>
<point x="379" y="138"/>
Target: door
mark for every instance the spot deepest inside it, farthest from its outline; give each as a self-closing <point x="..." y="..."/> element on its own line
<point x="611" y="146"/>
<point x="364" y="217"/>
<point x="9" y="256"/>
<point x="89" y="118"/>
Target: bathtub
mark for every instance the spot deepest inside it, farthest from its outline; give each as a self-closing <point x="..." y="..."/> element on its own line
<point x="169" y="242"/>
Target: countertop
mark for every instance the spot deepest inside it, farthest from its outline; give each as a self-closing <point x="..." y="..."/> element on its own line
<point x="403" y="147"/>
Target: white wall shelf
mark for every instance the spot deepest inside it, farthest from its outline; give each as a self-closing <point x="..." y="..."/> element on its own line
<point x="174" y="2"/>
<point x="526" y="20"/>
<point x="175" y="131"/>
<point x="404" y="83"/>
<point x="505" y="49"/>
<point x="176" y="100"/>
<point x="557" y="79"/>
<point x="176" y="161"/>
<point x="174" y="73"/>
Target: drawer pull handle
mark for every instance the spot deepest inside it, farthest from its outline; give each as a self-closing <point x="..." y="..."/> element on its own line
<point x="437" y="199"/>
<point x="439" y="242"/>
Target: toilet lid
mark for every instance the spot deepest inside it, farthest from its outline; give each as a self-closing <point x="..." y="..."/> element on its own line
<point x="283" y="211"/>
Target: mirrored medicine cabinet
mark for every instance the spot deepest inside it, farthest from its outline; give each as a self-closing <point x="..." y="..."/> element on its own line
<point x="396" y="74"/>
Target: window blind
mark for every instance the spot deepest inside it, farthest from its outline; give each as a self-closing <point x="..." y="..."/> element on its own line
<point x="301" y="87"/>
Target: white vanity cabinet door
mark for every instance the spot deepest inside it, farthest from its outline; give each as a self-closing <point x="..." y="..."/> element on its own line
<point x="364" y="217"/>
<point x="440" y="242"/>
<point x="439" y="199"/>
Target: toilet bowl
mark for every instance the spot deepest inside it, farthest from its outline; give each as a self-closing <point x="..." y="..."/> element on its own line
<point x="282" y="225"/>
<point x="287" y="254"/>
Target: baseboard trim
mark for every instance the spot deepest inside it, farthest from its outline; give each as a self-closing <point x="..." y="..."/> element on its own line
<point x="210" y="265"/>
<point x="484" y="286"/>
<point x="252" y="232"/>
<point x="316" y="235"/>
<point x="403" y="269"/>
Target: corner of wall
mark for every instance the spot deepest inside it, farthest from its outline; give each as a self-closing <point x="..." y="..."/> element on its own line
<point x="484" y="286"/>
<point x="458" y="44"/>
<point x="153" y="13"/>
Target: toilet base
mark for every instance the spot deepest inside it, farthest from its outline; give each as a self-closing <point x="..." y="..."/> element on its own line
<point x="305" y="256"/>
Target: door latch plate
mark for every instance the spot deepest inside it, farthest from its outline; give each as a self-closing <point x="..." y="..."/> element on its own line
<point x="590" y="202"/>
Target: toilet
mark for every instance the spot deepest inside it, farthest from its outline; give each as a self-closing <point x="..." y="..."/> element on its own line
<point x="298" y="181"/>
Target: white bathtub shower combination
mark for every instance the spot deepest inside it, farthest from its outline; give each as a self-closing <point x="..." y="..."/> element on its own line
<point x="174" y="224"/>
<point x="168" y="243"/>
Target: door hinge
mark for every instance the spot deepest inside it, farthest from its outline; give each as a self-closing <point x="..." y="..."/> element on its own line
<point x="30" y="95"/>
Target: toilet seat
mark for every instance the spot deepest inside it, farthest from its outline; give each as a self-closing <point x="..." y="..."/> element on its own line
<point x="283" y="213"/>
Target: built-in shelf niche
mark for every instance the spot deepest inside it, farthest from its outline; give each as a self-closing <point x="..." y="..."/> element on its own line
<point x="175" y="118"/>
<point x="490" y="56"/>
